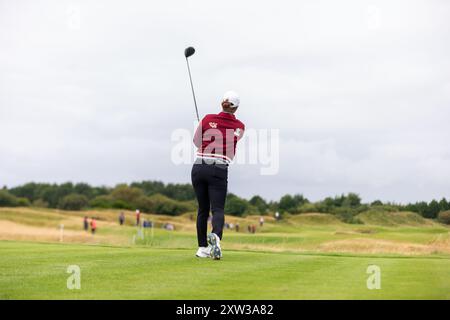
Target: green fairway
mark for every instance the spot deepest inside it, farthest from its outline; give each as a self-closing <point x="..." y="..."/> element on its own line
<point x="307" y="256"/>
<point x="38" y="271"/>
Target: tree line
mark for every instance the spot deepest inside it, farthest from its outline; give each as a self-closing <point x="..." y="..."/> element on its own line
<point x="173" y="199"/>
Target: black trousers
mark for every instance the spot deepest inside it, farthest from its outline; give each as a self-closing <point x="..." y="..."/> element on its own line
<point x="210" y="183"/>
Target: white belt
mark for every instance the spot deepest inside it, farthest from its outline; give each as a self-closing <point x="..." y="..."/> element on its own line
<point x="213" y="159"/>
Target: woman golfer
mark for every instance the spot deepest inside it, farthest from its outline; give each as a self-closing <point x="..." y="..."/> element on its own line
<point x="216" y="138"/>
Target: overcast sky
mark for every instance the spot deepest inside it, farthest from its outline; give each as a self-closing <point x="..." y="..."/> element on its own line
<point x="91" y="91"/>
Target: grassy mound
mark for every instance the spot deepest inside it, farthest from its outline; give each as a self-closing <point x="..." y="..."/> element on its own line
<point x="314" y="218"/>
<point x="382" y="218"/>
<point x="311" y="232"/>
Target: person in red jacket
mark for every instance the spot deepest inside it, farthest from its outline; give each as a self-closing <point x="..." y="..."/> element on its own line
<point x="216" y="138"/>
<point x="93" y="225"/>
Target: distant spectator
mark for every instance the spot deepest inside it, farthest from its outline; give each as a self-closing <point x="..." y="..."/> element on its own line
<point x="227" y="225"/>
<point x="147" y="224"/>
<point x="93" y="225"/>
<point x="237" y="227"/>
<point x="231" y="226"/>
<point x="253" y="228"/>
<point x="277" y="216"/>
<point x="121" y="218"/>
<point x="261" y="221"/>
<point x="249" y="228"/>
<point x="138" y="217"/>
<point x="86" y="223"/>
<point x="169" y="226"/>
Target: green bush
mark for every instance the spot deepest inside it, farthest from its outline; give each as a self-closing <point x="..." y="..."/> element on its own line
<point x="252" y="210"/>
<point x="120" y="204"/>
<point x="7" y="199"/>
<point x="432" y="211"/>
<point x="290" y="203"/>
<point x="23" y="202"/>
<point x="73" y="202"/>
<point x="386" y="208"/>
<point x="40" y="203"/>
<point x="156" y="203"/>
<point x="129" y="195"/>
<point x="308" y="207"/>
<point x="444" y="217"/>
<point x="347" y="215"/>
<point x="108" y="202"/>
<point x="145" y="204"/>
<point x="235" y="205"/>
<point x="161" y="204"/>
<point x="259" y="203"/>
<point x="105" y="202"/>
<point x="351" y="200"/>
<point x="376" y="203"/>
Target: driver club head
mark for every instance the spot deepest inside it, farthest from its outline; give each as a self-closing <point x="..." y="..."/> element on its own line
<point x="189" y="51"/>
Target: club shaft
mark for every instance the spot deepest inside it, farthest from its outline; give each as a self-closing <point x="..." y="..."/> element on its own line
<point x="192" y="87"/>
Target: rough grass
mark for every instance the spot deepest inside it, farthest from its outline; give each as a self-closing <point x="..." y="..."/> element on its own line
<point x="314" y="219"/>
<point x="404" y="218"/>
<point x="297" y="233"/>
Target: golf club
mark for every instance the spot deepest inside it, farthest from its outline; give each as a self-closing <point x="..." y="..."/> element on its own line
<point x="189" y="51"/>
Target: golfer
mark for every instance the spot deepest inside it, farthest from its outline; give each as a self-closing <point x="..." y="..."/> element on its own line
<point x="216" y="138"/>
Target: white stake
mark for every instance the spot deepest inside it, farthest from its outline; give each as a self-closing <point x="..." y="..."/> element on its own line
<point x="61" y="232"/>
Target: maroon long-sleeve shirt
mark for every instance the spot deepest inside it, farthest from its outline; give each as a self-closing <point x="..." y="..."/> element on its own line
<point x="217" y="135"/>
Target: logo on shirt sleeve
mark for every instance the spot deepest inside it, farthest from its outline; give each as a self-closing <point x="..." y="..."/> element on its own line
<point x="213" y="125"/>
<point x="237" y="132"/>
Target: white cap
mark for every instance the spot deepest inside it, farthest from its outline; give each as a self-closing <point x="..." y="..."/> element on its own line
<point x="232" y="97"/>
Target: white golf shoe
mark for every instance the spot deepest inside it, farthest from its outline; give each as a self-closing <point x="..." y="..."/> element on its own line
<point x="203" y="252"/>
<point x="214" y="242"/>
